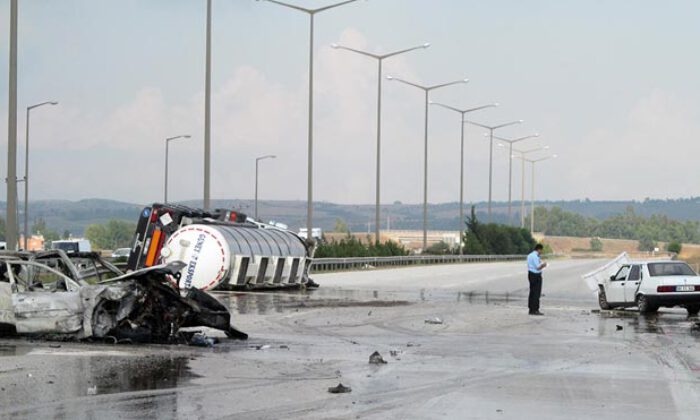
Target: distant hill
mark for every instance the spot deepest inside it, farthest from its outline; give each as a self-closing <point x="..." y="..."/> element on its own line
<point x="74" y="216"/>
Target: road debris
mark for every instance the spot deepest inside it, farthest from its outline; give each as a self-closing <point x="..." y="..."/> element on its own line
<point x="434" y="321"/>
<point x="340" y="389"/>
<point x="377" y="359"/>
<point x="201" y="340"/>
<point x="92" y="390"/>
<point x="618" y="327"/>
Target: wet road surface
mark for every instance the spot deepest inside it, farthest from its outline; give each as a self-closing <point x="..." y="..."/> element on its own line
<point x="485" y="358"/>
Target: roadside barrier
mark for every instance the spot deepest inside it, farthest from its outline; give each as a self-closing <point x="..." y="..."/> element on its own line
<point x="365" y="263"/>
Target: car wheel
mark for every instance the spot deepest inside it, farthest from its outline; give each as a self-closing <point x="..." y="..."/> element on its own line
<point x="603" y="300"/>
<point x="644" y="306"/>
<point x="692" y="309"/>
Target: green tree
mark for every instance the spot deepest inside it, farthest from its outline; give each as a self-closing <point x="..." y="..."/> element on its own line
<point x="341" y="226"/>
<point x="596" y="244"/>
<point x="39" y="228"/>
<point x="440" y="248"/>
<point x="111" y="235"/>
<point x="647" y="243"/>
<point x="674" y="247"/>
<point x="66" y="234"/>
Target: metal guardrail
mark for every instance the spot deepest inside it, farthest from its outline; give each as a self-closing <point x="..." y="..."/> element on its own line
<point x="363" y="263"/>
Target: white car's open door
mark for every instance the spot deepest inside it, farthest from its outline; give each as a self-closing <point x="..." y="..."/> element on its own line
<point x="602" y="275"/>
<point x="7" y="310"/>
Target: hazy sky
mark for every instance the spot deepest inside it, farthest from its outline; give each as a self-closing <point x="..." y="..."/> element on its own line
<point x="612" y="86"/>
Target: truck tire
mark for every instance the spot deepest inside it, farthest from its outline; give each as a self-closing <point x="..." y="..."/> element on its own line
<point x="603" y="300"/>
<point x="644" y="306"/>
<point x="692" y="309"/>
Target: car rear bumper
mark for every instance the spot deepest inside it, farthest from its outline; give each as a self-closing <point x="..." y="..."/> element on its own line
<point x="674" y="299"/>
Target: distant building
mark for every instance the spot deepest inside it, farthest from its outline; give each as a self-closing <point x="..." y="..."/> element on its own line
<point x="35" y="242"/>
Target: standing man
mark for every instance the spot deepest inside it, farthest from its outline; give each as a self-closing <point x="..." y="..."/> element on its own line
<point x="534" y="276"/>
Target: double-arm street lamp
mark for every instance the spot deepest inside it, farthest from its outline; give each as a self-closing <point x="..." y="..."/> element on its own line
<point x="380" y="59"/>
<point x="167" y="146"/>
<point x="532" y="191"/>
<point x="257" y="161"/>
<point x="26" y="170"/>
<point x="524" y="153"/>
<point x="463" y="113"/>
<point x="312" y="13"/>
<point x="426" y="90"/>
<point x="510" y="169"/>
<point x="491" y="129"/>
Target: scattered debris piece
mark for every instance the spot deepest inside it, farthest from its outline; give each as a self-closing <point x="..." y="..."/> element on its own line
<point x="394" y="353"/>
<point x="376" y="359"/>
<point x="284" y="346"/>
<point x="92" y="390"/>
<point x="595" y="311"/>
<point x="434" y="321"/>
<point x="618" y="327"/>
<point x="55" y="346"/>
<point x="340" y="389"/>
<point x="369" y="313"/>
<point x="262" y="347"/>
<point x="201" y="340"/>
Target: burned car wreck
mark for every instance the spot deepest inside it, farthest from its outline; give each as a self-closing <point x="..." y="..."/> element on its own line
<point x="45" y="295"/>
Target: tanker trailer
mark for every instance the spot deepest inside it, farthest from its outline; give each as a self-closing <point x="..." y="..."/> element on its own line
<point x="221" y="249"/>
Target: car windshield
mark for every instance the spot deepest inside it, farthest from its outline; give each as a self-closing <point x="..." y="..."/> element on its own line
<point x="670" y="269"/>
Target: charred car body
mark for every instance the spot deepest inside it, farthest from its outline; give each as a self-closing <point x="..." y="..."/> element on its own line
<point x="46" y="294"/>
<point x="221" y="249"/>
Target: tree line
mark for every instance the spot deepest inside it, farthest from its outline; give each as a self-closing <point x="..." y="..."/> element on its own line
<point x="626" y="225"/>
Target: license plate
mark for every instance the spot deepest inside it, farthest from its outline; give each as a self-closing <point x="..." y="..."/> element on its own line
<point x="685" y="288"/>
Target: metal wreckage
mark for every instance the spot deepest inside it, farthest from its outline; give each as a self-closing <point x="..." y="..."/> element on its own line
<point x="178" y="253"/>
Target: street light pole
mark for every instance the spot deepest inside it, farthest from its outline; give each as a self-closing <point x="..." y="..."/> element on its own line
<point x="257" y="161"/>
<point x="12" y="228"/>
<point x="426" y="90"/>
<point x="523" y="153"/>
<point x="26" y="170"/>
<point x="311" y="13"/>
<point x="532" y="190"/>
<point x="380" y="59"/>
<point x="491" y="130"/>
<point x="463" y="113"/>
<point x="510" y="169"/>
<point x="167" y="145"/>
<point x="207" y="114"/>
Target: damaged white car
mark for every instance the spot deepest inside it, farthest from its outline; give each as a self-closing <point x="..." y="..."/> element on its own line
<point x="647" y="285"/>
<point x="142" y="306"/>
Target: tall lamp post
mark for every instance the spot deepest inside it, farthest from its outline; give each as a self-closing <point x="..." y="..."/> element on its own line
<point x="167" y="146"/>
<point x="312" y="13"/>
<point x="532" y="190"/>
<point x="380" y="59"/>
<point x="12" y="226"/>
<point x="463" y="113"/>
<point x="510" y="169"/>
<point x="257" y="162"/>
<point x="524" y="153"/>
<point x="26" y="170"/>
<point x="426" y="90"/>
<point x="207" y="115"/>
<point x="491" y="129"/>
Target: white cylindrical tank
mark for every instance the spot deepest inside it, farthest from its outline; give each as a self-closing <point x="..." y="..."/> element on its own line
<point x="221" y="255"/>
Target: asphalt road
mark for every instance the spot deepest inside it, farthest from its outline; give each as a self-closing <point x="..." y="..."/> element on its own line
<point x="487" y="359"/>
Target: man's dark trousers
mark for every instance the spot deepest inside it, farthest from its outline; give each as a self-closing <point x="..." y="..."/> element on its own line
<point x="533" y="301"/>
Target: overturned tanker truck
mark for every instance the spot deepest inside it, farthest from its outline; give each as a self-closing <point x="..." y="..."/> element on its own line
<point x="222" y="249"/>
